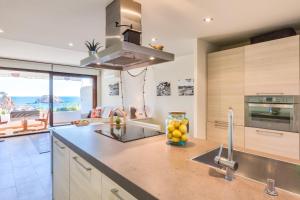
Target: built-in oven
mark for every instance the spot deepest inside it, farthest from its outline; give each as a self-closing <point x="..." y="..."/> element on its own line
<point x="273" y="112"/>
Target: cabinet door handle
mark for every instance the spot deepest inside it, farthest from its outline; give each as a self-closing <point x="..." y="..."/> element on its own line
<point x="57" y="144"/>
<point x="221" y="122"/>
<point x="82" y="165"/>
<point x="268" y="133"/>
<point x="115" y="192"/>
<point x="221" y="126"/>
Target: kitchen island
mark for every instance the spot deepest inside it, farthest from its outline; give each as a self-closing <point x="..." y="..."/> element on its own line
<point x="150" y="169"/>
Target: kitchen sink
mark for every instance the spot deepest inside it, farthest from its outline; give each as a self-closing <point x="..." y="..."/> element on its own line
<point x="286" y="175"/>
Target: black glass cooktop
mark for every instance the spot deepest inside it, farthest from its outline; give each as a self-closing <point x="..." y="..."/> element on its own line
<point x="127" y="133"/>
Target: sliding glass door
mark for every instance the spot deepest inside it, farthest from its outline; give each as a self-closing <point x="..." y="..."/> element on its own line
<point x="24" y="102"/>
<point x="72" y="98"/>
<point x="31" y="100"/>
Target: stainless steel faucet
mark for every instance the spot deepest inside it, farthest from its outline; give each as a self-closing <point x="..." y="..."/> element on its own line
<point x="228" y="163"/>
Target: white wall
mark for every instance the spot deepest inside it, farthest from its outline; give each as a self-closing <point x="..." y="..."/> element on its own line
<point x="34" y="52"/>
<point x="159" y="106"/>
<point x="181" y="68"/>
<point x="109" y="77"/>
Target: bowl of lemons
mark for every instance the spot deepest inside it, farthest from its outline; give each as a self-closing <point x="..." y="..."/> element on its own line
<point x="177" y="131"/>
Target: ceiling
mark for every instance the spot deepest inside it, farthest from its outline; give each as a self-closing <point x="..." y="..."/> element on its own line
<point x="176" y="23"/>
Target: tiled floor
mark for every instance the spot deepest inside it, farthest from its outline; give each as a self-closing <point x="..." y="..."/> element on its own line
<point x="25" y="174"/>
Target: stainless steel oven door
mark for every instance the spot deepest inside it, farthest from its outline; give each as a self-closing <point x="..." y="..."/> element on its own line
<point x="282" y="117"/>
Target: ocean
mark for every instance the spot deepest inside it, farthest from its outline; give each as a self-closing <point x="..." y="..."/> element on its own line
<point x="66" y="102"/>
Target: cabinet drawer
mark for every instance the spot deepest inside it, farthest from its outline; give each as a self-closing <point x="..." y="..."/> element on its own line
<point x="60" y="149"/>
<point x="273" y="142"/>
<point x="217" y="132"/>
<point x="112" y="191"/>
<point x="85" y="180"/>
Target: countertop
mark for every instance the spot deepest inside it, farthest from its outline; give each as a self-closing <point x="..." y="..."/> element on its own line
<point x="151" y="169"/>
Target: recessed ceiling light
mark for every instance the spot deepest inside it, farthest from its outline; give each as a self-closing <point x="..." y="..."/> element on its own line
<point x="1" y="31"/>
<point x="153" y="39"/>
<point x="208" y="19"/>
<point x="151" y="58"/>
<point x="71" y="44"/>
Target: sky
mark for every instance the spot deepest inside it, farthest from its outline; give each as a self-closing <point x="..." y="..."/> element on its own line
<point x="19" y="86"/>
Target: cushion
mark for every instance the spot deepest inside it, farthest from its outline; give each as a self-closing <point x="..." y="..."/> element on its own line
<point x="96" y="113"/>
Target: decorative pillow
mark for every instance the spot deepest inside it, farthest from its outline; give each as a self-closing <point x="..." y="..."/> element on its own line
<point x="96" y="113"/>
<point x="119" y="112"/>
<point x="132" y="111"/>
<point x="106" y="111"/>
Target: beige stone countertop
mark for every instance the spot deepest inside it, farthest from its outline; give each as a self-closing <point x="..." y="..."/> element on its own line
<point x="166" y="172"/>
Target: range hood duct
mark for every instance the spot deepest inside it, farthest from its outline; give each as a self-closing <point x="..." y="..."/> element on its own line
<point x="119" y="54"/>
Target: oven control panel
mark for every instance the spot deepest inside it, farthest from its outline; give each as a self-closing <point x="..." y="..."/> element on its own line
<point x="271" y="99"/>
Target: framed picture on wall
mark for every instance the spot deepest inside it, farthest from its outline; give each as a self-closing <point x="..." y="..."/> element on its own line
<point x="185" y="87"/>
<point x="114" y="89"/>
<point x="163" y="89"/>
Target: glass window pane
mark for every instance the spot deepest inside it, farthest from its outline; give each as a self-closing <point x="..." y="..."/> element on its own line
<point x="72" y="98"/>
<point x="24" y="102"/>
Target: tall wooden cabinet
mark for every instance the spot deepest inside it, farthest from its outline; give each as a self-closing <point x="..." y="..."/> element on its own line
<point x="268" y="69"/>
<point x="272" y="68"/>
<point x="225" y="89"/>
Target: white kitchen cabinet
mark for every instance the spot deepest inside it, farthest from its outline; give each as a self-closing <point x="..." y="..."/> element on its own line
<point x="272" y="68"/>
<point x="85" y="180"/>
<point x="112" y="191"/>
<point x="60" y="171"/>
<point x="76" y="179"/>
<point x="279" y="143"/>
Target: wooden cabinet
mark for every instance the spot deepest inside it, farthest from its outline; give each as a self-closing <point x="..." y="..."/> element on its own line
<point x="226" y="85"/>
<point x="273" y="142"/>
<point x="225" y="89"/>
<point x="272" y="68"/>
<point x="60" y="171"/>
<point x="217" y="132"/>
<point x="112" y="191"/>
<point x="85" y="180"/>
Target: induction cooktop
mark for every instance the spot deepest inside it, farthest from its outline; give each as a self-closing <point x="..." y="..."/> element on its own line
<point x="127" y="133"/>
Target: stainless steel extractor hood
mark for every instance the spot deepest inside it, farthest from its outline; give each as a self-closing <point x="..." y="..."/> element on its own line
<point x="121" y="55"/>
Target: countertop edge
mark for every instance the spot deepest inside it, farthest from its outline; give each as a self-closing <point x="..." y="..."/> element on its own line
<point x="129" y="186"/>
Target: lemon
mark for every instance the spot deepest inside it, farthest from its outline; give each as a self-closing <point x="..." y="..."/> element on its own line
<point x="171" y="128"/>
<point x="176" y="124"/>
<point x="171" y="122"/>
<point x="169" y="135"/>
<point x="185" y="121"/>
<point x="184" y="138"/>
<point x="183" y="129"/>
<point x="176" y="133"/>
<point x="174" y="139"/>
